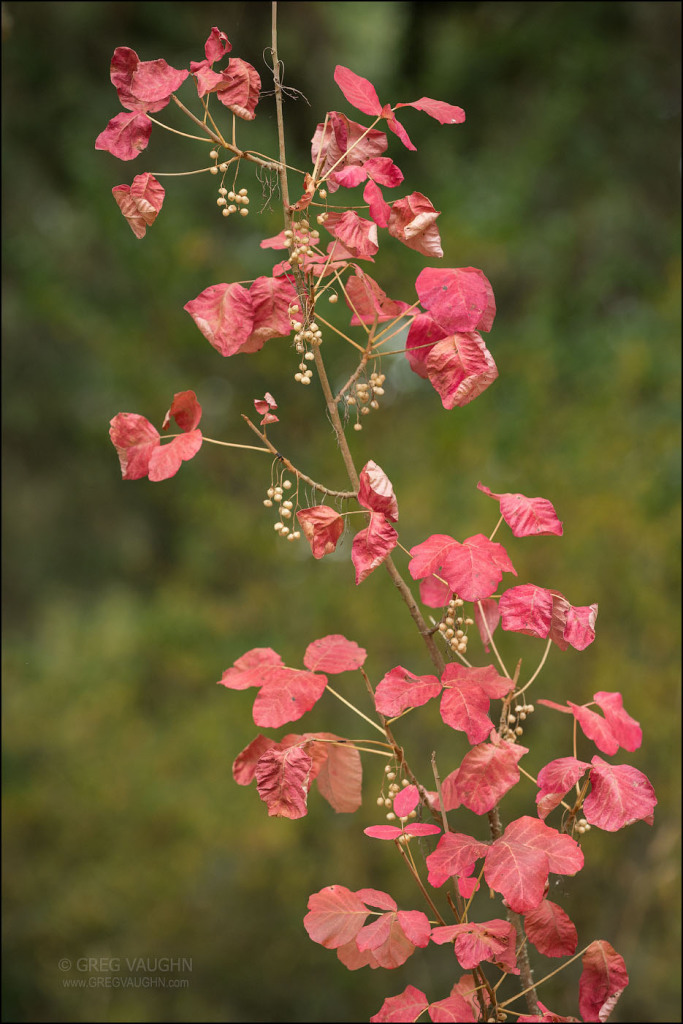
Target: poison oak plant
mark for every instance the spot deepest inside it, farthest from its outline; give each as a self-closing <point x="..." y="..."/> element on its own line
<point x="331" y="234"/>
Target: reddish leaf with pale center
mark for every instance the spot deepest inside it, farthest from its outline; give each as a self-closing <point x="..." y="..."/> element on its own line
<point x="217" y="45"/>
<point x="455" y="854"/>
<point x="399" y="690"/>
<point x="126" y="135"/>
<point x="473" y="942"/>
<point x="551" y="930"/>
<point x="282" y="781"/>
<point x="555" y="779"/>
<point x="185" y="410"/>
<point x="340" y="135"/>
<point x="244" y="765"/>
<point x="413" y="221"/>
<point x="143" y="85"/>
<point x="407" y="1006"/>
<point x="372" y="545"/>
<point x="359" y="92"/>
<point x="580" y="628"/>
<point x="459" y="299"/>
<point x="140" y="202"/>
<point x="526" y="517"/>
<point x="287" y="694"/>
<point x="444" y="113"/>
<point x="603" y="979"/>
<point x="620" y="795"/>
<point x="263" y="407"/>
<point x="251" y="669"/>
<point x="239" y="88"/>
<point x="486" y="617"/>
<point x="357" y="234"/>
<point x="422" y="337"/>
<point x="460" y="368"/>
<point x="135" y="439"/>
<point x="376" y="493"/>
<point x="335" y="916"/>
<point x="322" y="527"/>
<point x="270" y="301"/>
<point x="341" y="776"/>
<point x="368" y="301"/>
<point x="334" y="654"/>
<point x="224" y="315"/>
<point x="518" y="864"/>
<point x="487" y="773"/>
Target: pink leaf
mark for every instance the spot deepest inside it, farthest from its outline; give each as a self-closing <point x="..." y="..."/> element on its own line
<point x="332" y="141"/>
<point x="349" y="177"/>
<point x="444" y="113"/>
<point x="422" y="337"/>
<point x="406" y="1007"/>
<point x="368" y="302"/>
<point x="185" y="410"/>
<point x="340" y="778"/>
<point x="526" y="517"/>
<point x="135" y="439"/>
<point x="282" y="778"/>
<point x="518" y="864"/>
<point x="387" y="939"/>
<point x="165" y="461"/>
<point x="455" y="854"/>
<point x="376" y="493"/>
<point x="263" y="407"/>
<point x="334" y="654"/>
<point x="239" y="88"/>
<point x="322" y="528"/>
<point x="406" y="801"/>
<point x="413" y="221"/>
<point x="383" y="171"/>
<point x="460" y="368"/>
<point x="244" y="765"/>
<point x="431" y="555"/>
<point x="358" y="235"/>
<point x="126" y="135"/>
<point x="453" y="1009"/>
<point x="396" y="127"/>
<point x="620" y="795"/>
<point x="224" y="315"/>
<point x="550" y="930"/>
<point x="335" y="916"/>
<point x="464" y="706"/>
<point x="625" y="729"/>
<point x="602" y="981"/>
<point x="458" y="299"/>
<point x="270" y="301"/>
<point x="473" y="942"/>
<point x="252" y="669"/>
<point x="474" y="568"/>
<point x="217" y="45"/>
<point x="399" y="690"/>
<point x="486" y="774"/>
<point x="555" y="780"/>
<point x="434" y="593"/>
<point x="486" y="623"/>
<point x="358" y="91"/>
<point x="287" y="695"/>
<point x="526" y="609"/>
<point x="580" y="628"/>
<point x="144" y="85"/>
<point x="380" y="211"/>
<point x="140" y="202"/>
<point x="596" y="728"/>
<point x="372" y="545"/>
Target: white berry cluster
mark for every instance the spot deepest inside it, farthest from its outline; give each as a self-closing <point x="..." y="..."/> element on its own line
<point x="366" y="395"/>
<point x="514" y="729"/>
<point x="229" y="201"/>
<point x="306" y="333"/>
<point x="275" y="496"/>
<point x="451" y="628"/>
<point x="301" y="241"/>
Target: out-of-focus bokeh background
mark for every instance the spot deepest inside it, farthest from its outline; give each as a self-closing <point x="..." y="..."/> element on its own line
<point x="124" y="834"/>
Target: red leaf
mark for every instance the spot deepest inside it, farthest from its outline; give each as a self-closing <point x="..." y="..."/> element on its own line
<point x="239" y="88"/>
<point x="454" y="1009"/>
<point x="244" y="765"/>
<point x="596" y="728"/>
<point x="270" y="301"/>
<point x="386" y="938"/>
<point x="358" y="235"/>
<point x="444" y="113"/>
<point x="464" y="706"/>
<point x="322" y="528"/>
<point x="413" y="221"/>
<point x="143" y="85"/>
<point x="287" y="694"/>
<point x="334" y="654"/>
<point x="376" y="493"/>
<point x="135" y="439"/>
<point x="486" y="622"/>
<point x="380" y="211"/>
<point x="185" y="410"/>
<point x="620" y="795"/>
<point x="224" y="315"/>
<point x="406" y="801"/>
<point x="550" y="930"/>
<point x="396" y="127"/>
<point x="434" y="593"/>
<point x="460" y="368"/>
<point x="430" y="556"/>
<point x="282" y="778"/>
<point x="383" y="170"/>
<point x="252" y="669"/>
<point x="458" y="299"/>
<point x="473" y="942"/>
<point x="165" y="461"/>
<point x="486" y="774"/>
<point x="555" y="780"/>
<point x="359" y="92"/>
<point x="526" y="609"/>
<point x="455" y="854"/>
<point x="518" y="864"/>
<point x="399" y="690"/>
<point x="263" y="407"/>
<point x="474" y="568"/>
<point x="126" y="135"/>
<point x="372" y="545"/>
<point x="217" y="45"/>
<point x="626" y="730"/>
<point x="602" y="981"/>
<point x="580" y="628"/>
<point x="340" y="778"/>
<point x="526" y="517"/>
<point x="406" y="1007"/>
<point x="140" y="202"/>
<point x="368" y="302"/>
<point x="335" y="916"/>
<point x="414" y="828"/>
<point x="332" y="141"/>
<point x="422" y="337"/>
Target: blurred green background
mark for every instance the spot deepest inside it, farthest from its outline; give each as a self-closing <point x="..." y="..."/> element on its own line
<point x="124" y="834"/>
